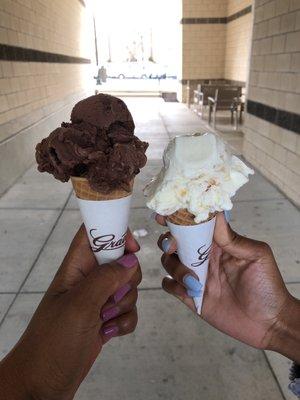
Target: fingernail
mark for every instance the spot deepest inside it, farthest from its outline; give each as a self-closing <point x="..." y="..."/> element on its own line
<point x="166" y="244"/>
<point x="227" y="215"/>
<point x="192" y="283"/>
<point x="110" y="331"/>
<point x="128" y="260"/>
<point x="193" y="293"/>
<point x="120" y="293"/>
<point x="110" y="313"/>
<point x="153" y="215"/>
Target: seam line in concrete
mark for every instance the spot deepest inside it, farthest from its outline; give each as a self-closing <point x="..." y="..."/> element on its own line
<point x="164" y="124"/>
<point x="44" y="291"/>
<point x="274" y="375"/>
<point x="8" y="292"/>
<point x="143" y="289"/>
<point x="31" y="292"/>
<point x="31" y="208"/>
<point x="15" y="180"/>
<point x="35" y="260"/>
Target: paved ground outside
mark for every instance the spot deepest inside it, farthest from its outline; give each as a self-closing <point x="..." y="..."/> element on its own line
<point x="138" y="85"/>
<point x="173" y="355"/>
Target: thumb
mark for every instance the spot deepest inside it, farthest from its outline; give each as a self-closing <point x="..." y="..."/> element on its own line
<point x="105" y="280"/>
<point x="234" y="244"/>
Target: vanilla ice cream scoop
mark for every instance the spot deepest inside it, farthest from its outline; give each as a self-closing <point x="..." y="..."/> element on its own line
<point x="199" y="174"/>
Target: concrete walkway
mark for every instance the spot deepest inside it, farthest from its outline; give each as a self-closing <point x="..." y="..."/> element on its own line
<point x="173" y="354"/>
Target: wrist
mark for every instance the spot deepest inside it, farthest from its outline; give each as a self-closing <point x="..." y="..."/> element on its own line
<point x="12" y="383"/>
<point x="286" y="334"/>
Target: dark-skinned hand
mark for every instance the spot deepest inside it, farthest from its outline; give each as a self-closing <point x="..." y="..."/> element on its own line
<point x="85" y="306"/>
<point x="245" y="296"/>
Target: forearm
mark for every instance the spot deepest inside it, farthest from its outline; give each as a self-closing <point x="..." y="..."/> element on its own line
<point x="12" y="384"/>
<point x="287" y="337"/>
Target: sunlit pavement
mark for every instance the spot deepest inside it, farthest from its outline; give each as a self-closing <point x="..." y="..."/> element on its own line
<point x="173" y="354"/>
<point x="138" y="85"/>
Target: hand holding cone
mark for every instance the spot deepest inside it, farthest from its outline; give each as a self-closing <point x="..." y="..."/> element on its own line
<point x="105" y="216"/>
<point x="193" y="244"/>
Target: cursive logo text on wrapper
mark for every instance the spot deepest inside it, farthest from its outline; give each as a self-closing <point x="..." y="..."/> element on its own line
<point x="106" y="242"/>
<point x="203" y="255"/>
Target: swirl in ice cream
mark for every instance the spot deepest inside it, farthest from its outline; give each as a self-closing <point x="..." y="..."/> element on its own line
<point x="199" y="174"/>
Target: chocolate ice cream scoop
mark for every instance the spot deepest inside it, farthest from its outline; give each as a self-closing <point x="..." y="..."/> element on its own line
<point x="103" y="111"/>
<point x="99" y="144"/>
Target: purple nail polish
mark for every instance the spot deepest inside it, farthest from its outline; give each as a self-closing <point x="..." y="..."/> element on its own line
<point x="110" y="331"/>
<point x="121" y="292"/>
<point x="128" y="260"/>
<point x="110" y="313"/>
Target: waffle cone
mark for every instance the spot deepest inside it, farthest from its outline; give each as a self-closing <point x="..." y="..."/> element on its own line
<point x="185" y="218"/>
<point x="84" y="191"/>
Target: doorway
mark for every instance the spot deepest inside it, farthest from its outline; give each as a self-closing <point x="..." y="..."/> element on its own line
<point x="137" y="45"/>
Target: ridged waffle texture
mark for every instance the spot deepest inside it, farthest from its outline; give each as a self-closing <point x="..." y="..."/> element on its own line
<point x="185" y="218"/>
<point x="84" y="191"/>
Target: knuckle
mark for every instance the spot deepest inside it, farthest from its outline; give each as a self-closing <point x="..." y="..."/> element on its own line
<point x="164" y="258"/>
<point x="235" y="238"/>
<point x="130" y="301"/>
<point x="164" y="283"/>
<point x="134" y="296"/>
<point x="130" y="323"/>
<point x="160" y="239"/>
<point x="139" y="276"/>
<point x="265" y="246"/>
<point x="263" y="249"/>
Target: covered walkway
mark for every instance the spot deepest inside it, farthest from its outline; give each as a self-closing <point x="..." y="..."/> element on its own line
<point x="172" y="355"/>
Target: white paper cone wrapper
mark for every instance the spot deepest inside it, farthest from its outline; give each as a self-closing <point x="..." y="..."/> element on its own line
<point x="193" y="249"/>
<point x="106" y="223"/>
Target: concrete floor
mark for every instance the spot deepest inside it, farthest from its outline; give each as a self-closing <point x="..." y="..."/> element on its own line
<point x="138" y="86"/>
<point x="172" y="354"/>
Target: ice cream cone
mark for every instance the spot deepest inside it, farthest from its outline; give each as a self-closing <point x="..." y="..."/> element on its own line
<point x="199" y="174"/>
<point x="98" y="141"/>
<point x="105" y="216"/>
<point x="184" y="217"/>
<point x="84" y="191"/>
<point x="193" y="244"/>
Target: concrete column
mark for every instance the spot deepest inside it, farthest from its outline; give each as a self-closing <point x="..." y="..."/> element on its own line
<point x="272" y="140"/>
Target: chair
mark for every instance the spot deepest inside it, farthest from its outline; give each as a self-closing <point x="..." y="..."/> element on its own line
<point x="201" y="96"/>
<point x="226" y="98"/>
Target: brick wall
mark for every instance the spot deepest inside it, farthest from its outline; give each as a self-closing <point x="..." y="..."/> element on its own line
<point x="274" y="147"/>
<point x="238" y="40"/>
<point x="36" y="96"/>
<point x="233" y="6"/>
<point x="202" y="55"/>
<point x="51" y="26"/>
<point x="203" y="51"/>
<point x="27" y="87"/>
<point x="204" y="8"/>
<point x="213" y="46"/>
